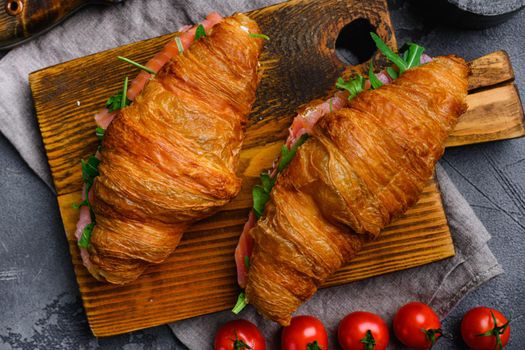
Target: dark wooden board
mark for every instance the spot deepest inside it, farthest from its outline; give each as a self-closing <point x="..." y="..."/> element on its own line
<point x="299" y="65"/>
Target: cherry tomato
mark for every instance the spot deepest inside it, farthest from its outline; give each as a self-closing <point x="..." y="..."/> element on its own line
<point x="363" y="331"/>
<point x="417" y="326"/>
<point x="239" y="335"/>
<point x="483" y="328"/>
<point x="304" y="333"/>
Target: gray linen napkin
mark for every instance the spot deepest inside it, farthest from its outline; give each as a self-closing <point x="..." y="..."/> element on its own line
<point x="441" y="284"/>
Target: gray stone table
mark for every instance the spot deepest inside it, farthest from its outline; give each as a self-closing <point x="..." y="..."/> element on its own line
<point x="40" y="306"/>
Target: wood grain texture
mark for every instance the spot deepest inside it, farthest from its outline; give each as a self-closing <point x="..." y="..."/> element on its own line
<point x="19" y="20"/>
<point x="490" y="70"/>
<point x="299" y="65"/>
<point x="494" y="114"/>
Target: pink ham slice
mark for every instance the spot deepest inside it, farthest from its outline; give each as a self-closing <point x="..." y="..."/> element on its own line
<point x="244" y="249"/>
<point x="302" y="123"/>
<point x="104" y="117"/>
<point x="83" y="220"/>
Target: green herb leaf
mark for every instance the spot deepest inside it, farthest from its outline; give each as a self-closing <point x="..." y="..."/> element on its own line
<point x="374" y="80"/>
<point x="83" y="242"/>
<point x="100" y="133"/>
<point x="180" y="47"/>
<point x="138" y="65"/>
<point x="261" y="193"/>
<point x="115" y="102"/>
<point x="267" y="182"/>
<point x="200" y="32"/>
<point x="413" y="55"/>
<point x="90" y="169"/>
<point x="241" y="303"/>
<point x="353" y="86"/>
<point x="89" y="172"/>
<point x="288" y="154"/>
<point x="390" y="55"/>
<point x="330" y="105"/>
<point x="247" y="262"/>
<point x="260" y="36"/>
<point x="84" y="203"/>
<point x="123" y="101"/>
<point x="392" y="72"/>
<point x="260" y="198"/>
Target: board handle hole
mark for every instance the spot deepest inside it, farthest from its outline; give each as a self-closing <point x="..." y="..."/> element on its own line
<point x="14" y="7"/>
<point x="354" y="44"/>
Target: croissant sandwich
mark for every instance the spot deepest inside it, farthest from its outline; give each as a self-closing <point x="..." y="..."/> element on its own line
<point x="364" y="163"/>
<point x="170" y="147"/>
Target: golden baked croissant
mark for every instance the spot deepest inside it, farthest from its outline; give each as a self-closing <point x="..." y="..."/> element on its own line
<point x="170" y="158"/>
<point x="363" y="166"/>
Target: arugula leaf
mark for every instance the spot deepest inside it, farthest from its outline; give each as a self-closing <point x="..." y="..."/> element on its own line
<point x="405" y="55"/>
<point x="136" y="64"/>
<point x="267" y="182"/>
<point x="260" y="36"/>
<point x="83" y="242"/>
<point x="118" y="101"/>
<point x="261" y="193"/>
<point x="200" y="32"/>
<point x="100" y="133"/>
<point x="84" y="203"/>
<point x="413" y="55"/>
<point x="353" y="86"/>
<point x="241" y="303"/>
<point x="89" y="172"/>
<point x="374" y="80"/>
<point x="90" y="169"/>
<point x="392" y="72"/>
<point x="124" y="99"/>
<point x="114" y="102"/>
<point x="288" y="154"/>
<point x="390" y="55"/>
<point x="260" y="198"/>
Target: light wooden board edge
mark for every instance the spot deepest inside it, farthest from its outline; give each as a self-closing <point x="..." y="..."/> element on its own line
<point x="493" y="114"/>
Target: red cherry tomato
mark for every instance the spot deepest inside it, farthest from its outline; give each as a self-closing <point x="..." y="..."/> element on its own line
<point x="304" y="333"/>
<point x="483" y="328"/>
<point x="239" y="335"/>
<point x="417" y="326"/>
<point x="363" y="331"/>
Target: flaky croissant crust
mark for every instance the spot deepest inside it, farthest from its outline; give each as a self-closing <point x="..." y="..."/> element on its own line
<point x="363" y="166"/>
<point x="170" y="158"/>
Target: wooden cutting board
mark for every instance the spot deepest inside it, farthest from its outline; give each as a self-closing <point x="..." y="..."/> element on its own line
<point x="299" y="65"/>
